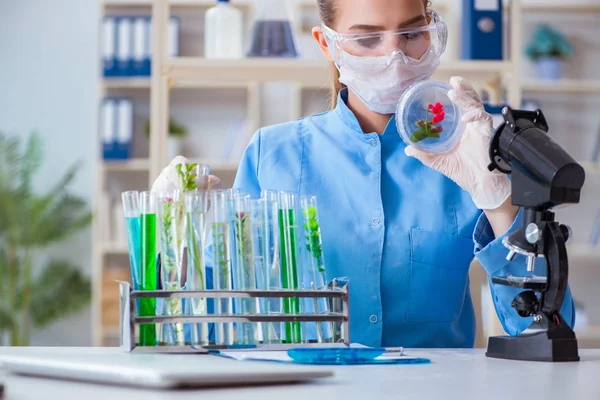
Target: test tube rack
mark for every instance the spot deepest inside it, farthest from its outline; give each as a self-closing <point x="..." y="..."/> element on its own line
<point x="336" y="295"/>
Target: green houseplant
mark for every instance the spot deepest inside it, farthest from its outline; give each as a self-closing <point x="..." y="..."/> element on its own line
<point x="549" y="49"/>
<point x="177" y="132"/>
<point x="35" y="291"/>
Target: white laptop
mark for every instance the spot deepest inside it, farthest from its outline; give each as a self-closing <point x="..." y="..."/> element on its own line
<point x="160" y="370"/>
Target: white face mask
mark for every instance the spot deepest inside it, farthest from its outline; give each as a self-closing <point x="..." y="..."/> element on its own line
<point x="380" y="91"/>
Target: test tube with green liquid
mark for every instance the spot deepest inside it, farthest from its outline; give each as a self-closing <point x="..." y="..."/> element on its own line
<point x="289" y="262"/>
<point x="148" y="265"/>
<point x="221" y="245"/>
<point x="196" y="210"/>
<point x="170" y="221"/>
<point x="244" y="277"/>
<point x="314" y="274"/>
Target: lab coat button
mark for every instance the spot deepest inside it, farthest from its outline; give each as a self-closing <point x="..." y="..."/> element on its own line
<point x="376" y="221"/>
<point x="373" y="319"/>
<point x="373" y="142"/>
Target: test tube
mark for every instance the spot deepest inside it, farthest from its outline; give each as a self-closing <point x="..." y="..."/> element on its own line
<point x="171" y="258"/>
<point x="314" y="274"/>
<point x="148" y="265"/>
<point x="221" y="242"/>
<point x="196" y="210"/>
<point x="289" y="262"/>
<point x="244" y="276"/>
<point x="266" y="255"/>
<point x="131" y="209"/>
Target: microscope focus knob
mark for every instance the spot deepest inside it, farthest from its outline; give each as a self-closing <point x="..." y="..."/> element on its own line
<point x="567" y="232"/>
<point x="526" y="303"/>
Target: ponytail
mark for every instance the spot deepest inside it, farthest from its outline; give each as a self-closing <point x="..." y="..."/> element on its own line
<point x="336" y="85"/>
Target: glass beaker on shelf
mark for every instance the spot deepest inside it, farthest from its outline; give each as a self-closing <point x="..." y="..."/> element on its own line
<point x="273" y="34"/>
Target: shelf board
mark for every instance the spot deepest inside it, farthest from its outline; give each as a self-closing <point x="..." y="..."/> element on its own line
<point x="570" y="6"/>
<point x="562" y="86"/>
<point x="135" y="164"/>
<point x="307" y="73"/>
<point x="172" y="3"/>
<point x="115" y="248"/>
<point x="127" y="83"/>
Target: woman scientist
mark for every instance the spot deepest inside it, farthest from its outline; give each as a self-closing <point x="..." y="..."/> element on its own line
<point x="401" y="224"/>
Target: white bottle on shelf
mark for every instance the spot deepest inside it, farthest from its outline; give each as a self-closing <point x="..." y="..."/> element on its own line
<point x="223" y="36"/>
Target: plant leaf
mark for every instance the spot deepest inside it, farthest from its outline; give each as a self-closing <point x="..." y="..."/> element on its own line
<point x="61" y="289"/>
<point x="7" y="319"/>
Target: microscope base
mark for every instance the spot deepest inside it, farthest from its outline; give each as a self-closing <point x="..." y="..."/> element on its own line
<point x="533" y="347"/>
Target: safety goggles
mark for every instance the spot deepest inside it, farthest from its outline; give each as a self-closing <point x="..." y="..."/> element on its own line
<point x="410" y="43"/>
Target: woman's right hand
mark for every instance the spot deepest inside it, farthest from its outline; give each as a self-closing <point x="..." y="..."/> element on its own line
<point x="168" y="180"/>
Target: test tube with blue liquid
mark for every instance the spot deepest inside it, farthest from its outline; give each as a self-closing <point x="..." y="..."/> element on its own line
<point x="131" y="209"/>
<point x="221" y="246"/>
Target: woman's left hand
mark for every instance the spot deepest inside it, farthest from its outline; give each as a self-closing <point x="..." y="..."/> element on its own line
<point x="467" y="163"/>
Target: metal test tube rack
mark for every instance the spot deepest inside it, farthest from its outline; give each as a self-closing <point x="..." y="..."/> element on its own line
<point x="128" y="318"/>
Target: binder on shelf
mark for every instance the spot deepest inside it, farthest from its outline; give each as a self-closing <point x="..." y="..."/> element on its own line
<point x="139" y="47"/>
<point x="124" y="47"/>
<point x="117" y="128"/>
<point x="174" y="29"/>
<point x="128" y="45"/>
<point x="109" y="45"/>
<point x="147" y="71"/>
<point x="482" y="33"/>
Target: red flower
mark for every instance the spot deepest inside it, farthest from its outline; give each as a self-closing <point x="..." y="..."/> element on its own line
<point x="438" y="112"/>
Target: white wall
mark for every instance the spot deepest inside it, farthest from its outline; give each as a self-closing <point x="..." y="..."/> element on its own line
<point x="48" y="76"/>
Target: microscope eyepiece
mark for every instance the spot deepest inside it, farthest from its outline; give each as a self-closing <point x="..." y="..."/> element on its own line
<point x="543" y="173"/>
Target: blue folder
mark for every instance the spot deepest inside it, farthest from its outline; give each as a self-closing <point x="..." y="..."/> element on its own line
<point x="482" y="33"/>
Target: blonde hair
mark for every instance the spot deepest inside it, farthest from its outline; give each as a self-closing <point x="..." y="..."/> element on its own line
<point x="327" y="13"/>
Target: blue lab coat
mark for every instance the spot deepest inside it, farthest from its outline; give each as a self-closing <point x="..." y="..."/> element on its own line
<point x="402" y="234"/>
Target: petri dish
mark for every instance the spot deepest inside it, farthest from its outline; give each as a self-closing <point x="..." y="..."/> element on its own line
<point x="335" y="356"/>
<point x="427" y="119"/>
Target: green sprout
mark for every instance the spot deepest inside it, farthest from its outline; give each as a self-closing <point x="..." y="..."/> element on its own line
<point x="313" y="236"/>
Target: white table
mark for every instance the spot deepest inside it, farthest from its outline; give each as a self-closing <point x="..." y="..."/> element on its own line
<point x="453" y="374"/>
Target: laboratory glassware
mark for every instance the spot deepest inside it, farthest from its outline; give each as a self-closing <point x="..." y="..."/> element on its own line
<point x="273" y="33"/>
<point x="244" y="276"/>
<point x="427" y="119"/>
<point x="288" y="233"/>
<point x="314" y="274"/>
<point x="148" y="209"/>
<point x="265" y="231"/>
<point x="131" y="209"/>
<point x="172" y="245"/>
<point x="196" y="210"/>
<point x="221" y="245"/>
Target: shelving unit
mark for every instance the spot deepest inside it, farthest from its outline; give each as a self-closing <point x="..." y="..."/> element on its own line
<point x="183" y="73"/>
<point x="563" y="86"/>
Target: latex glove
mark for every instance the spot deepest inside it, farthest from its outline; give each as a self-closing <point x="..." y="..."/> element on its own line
<point x="466" y="164"/>
<point x="168" y="180"/>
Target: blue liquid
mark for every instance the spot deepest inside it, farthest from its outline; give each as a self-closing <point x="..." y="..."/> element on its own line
<point x="134" y="237"/>
<point x="272" y="39"/>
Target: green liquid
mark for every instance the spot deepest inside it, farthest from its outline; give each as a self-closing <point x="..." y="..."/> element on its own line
<point x="289" y="272"/>
<point x="148" y="306"/>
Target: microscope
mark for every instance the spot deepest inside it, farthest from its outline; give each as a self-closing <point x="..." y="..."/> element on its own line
<point x="543" y="176"/>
